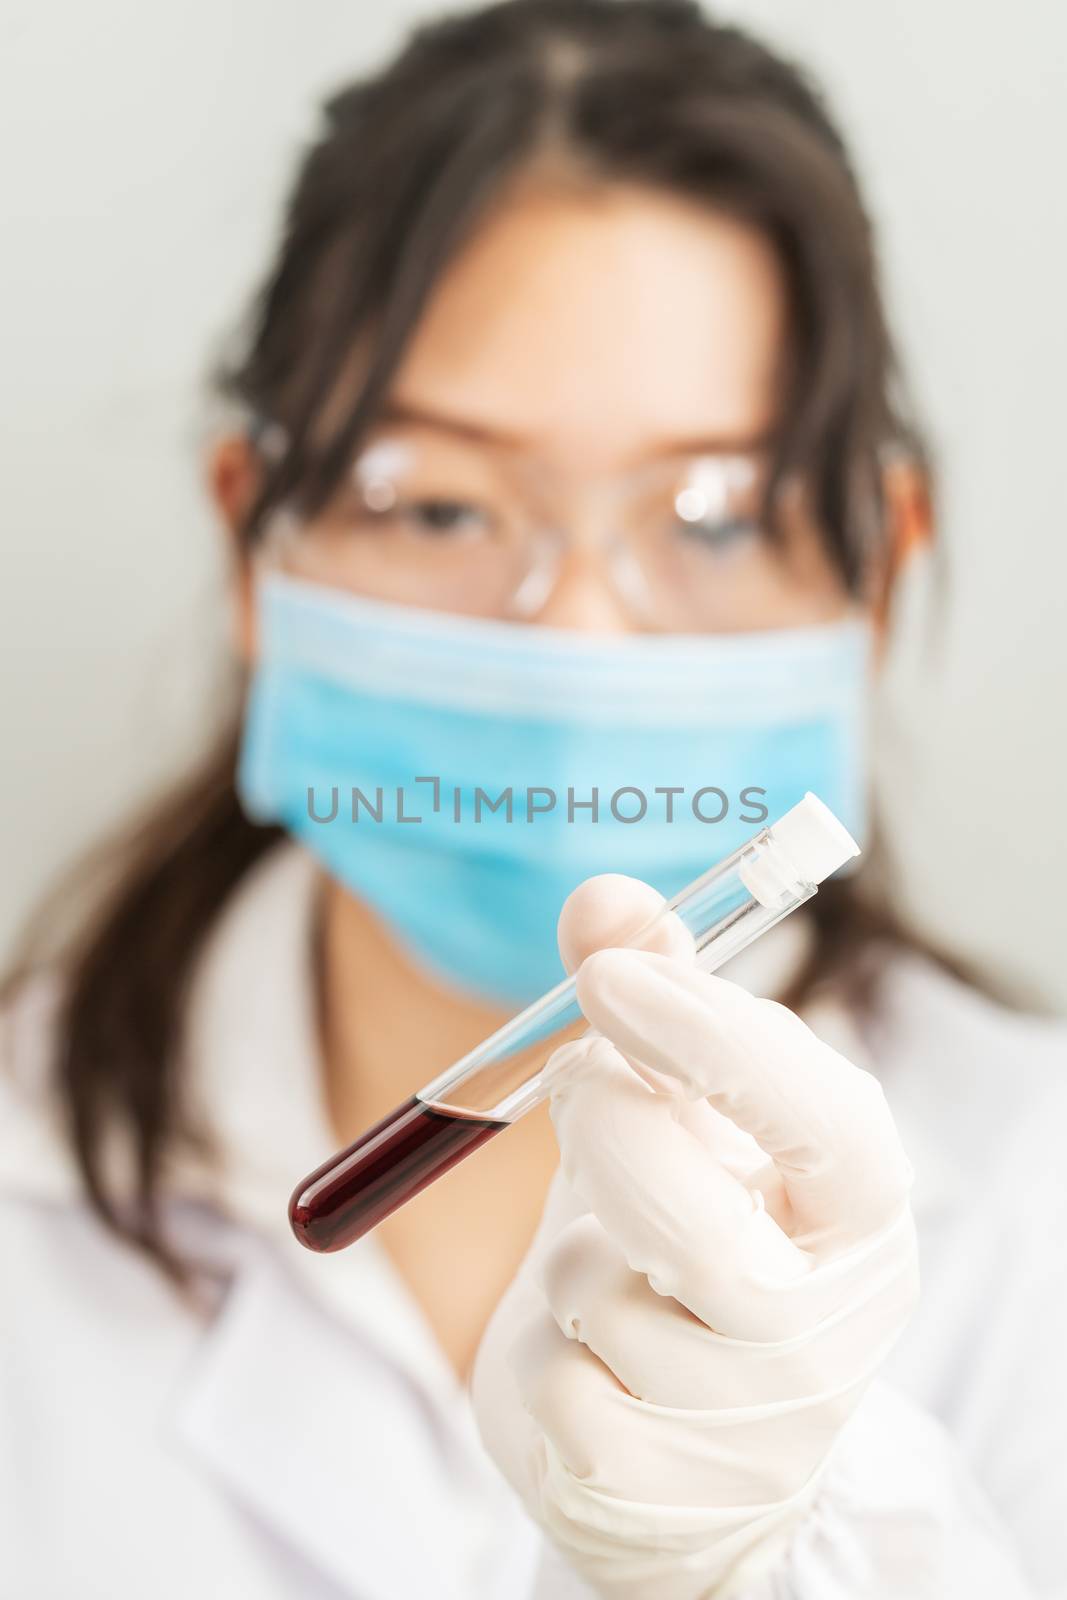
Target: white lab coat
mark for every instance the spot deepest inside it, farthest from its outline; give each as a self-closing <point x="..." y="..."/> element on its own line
<point x="304" y="1439"/>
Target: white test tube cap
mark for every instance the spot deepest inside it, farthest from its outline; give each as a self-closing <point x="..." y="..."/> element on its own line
<point x="814" y="840"/>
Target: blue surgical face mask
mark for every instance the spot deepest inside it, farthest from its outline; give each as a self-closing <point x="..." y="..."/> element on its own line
<point x="363" y="717"/>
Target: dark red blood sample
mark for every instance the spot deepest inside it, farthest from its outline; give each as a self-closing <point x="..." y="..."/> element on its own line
<point x="350" y="1194"/>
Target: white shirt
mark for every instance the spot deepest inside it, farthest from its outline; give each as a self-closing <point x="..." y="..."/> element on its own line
<point x="304" y="1438"/>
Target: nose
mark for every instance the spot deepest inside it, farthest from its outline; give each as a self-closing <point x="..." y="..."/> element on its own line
<point x="584" y="598"/>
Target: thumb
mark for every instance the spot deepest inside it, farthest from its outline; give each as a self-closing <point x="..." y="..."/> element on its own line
<point x="611" y="910"/>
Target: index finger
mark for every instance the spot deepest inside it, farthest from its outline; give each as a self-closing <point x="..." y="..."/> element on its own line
<point x="823" y="1121"/>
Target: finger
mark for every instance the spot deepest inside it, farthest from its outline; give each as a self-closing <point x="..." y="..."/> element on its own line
<point x="735" y="1151"/>
<point x="612" y="910"/>
<point x="824" y="1122"/>
<point x="626" y="1448"/>
<point x="696" y="1232"/>
<point x="663" y="1354"/>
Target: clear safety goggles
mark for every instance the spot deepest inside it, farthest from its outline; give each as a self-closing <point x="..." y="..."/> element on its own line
<point x="431" y="519"/>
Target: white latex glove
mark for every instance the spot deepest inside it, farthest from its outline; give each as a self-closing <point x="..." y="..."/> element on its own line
<point x="665" y="1378"/>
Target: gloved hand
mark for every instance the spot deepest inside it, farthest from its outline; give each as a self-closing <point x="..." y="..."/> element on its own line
<point x="731" y="1258"/>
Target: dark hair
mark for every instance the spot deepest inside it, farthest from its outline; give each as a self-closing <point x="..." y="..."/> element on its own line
<point x="406" y="163"/>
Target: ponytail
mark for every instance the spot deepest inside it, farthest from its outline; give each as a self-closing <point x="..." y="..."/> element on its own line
<point x="126" y="976"/>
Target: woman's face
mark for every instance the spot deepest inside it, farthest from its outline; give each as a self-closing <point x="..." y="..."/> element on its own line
<point x="584" y="362"/>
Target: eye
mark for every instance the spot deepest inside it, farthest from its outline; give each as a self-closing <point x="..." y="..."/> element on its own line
<point x="380" y="507"/>
<point x="443" y="518"/>
<point x="715" y="505"/>
<point x="717" y="533"/>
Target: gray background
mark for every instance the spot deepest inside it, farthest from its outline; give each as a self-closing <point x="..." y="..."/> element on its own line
<point x="145" y="149"/>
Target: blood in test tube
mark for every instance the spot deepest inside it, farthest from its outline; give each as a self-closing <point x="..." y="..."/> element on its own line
<point x="353" y="1191"/>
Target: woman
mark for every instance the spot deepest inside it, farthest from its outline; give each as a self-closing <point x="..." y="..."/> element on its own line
<point x="567" y="459"/>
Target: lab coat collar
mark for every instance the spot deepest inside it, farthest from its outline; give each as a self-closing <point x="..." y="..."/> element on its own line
<point x="284" y="1407"/>
<point x="252" y="1412"/>
<point x="303" y="1343"/>
<point x="254" y="1080"/>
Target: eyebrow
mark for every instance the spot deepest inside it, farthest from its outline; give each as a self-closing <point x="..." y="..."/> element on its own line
<point x="481" y="432"/>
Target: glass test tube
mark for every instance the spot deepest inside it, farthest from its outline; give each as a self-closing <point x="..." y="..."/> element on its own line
<point x="725" y="910"/>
